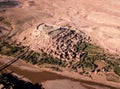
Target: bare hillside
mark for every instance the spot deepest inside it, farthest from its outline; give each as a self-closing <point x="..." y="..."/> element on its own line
<point x="98" y="18"/>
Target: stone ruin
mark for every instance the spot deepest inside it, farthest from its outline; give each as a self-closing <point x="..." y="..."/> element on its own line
<point x="64" y="41"/>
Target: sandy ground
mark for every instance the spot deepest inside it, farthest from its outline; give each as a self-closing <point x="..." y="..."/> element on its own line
<point x="98" y="18"/>
<point x="68" y="84"/>
<point x="72" y="79"/>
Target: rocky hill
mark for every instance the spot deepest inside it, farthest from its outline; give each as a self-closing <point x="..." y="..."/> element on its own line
<point x="57" y="41"/>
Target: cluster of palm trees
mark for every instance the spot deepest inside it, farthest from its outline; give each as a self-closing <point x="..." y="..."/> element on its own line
<point x="86" y="60"/>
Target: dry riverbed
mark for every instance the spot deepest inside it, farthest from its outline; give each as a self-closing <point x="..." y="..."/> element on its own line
<point x="58" y="80"/>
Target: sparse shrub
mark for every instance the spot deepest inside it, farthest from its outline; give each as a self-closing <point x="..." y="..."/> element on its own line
<point x="7" y="23"/>
<point x="117" y="70"/>
<point x="1" y="18"/>
<point x="81" y="46"/>
<point x="55" y="68"/>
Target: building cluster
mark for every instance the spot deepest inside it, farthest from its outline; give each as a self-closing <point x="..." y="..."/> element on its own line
<point x="64" y="45"/>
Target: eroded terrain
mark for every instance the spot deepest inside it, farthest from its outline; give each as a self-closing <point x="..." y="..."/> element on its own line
<point x="64" y="35"/>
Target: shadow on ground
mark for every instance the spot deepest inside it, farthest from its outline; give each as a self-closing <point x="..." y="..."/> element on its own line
<point x="8" y="4"/>
<point x="15" y="83"/>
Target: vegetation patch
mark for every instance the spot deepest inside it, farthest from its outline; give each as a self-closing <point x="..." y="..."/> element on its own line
<point x="88" y="60"/>
<point x="1" y="18"/>
<point x="117" y="70"/>
<point x="4" y="21"/>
